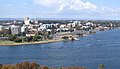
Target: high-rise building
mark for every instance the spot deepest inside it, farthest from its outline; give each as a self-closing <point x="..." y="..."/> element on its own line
<point x="27" y="20"/>
<point x="24" y="28"/>
<point x="15" y="30"/>
<point x="1" y="27"/>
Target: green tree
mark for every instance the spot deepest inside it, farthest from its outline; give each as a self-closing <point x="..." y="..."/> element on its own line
<point x="35" y="38"/>
<point x="18" y="40"/>
<point x="12" y="37"/>
<point x="28" y="39"/>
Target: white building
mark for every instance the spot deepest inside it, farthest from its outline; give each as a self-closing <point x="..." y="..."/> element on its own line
<point x="1" y="27"/>
<point x="43" y="26"/>
<point x="23" y="28"/>
<point x="62" y="26"/>
<point x="15" y="29"/>
<point x="27" y="20"/>
<point x="89" y="24"/>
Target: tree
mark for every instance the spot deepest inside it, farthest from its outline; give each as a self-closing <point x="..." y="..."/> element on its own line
<point x="36" y="37"/>
<point x="18" y="40"/>
<point x="28" y="39"/>
<point x="12" y="37"/>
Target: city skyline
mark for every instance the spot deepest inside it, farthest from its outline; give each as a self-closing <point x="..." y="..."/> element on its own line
<point x="77" y="9"/>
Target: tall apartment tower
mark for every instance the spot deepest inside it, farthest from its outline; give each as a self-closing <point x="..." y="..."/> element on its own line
<point x="15" y="30"/>
<point x="27" y="20"/>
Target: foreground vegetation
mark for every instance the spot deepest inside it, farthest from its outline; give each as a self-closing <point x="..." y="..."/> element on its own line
<point x="34" y="65"/>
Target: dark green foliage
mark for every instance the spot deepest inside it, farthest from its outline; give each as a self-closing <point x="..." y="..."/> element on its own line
<point x="18" y="40"/>
<point x="32" y="38"/>
<point x="12" y="37"/>
<point x="28" y="39"/>
<point x="36" y="38"/>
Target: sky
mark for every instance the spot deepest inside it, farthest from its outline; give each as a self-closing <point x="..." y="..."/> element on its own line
<point x="79" y="9"/>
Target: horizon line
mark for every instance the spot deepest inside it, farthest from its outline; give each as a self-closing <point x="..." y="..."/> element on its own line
<point x="20" y="18"/>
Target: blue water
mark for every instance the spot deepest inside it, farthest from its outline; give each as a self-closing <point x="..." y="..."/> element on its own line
<point x="89" y="51"/>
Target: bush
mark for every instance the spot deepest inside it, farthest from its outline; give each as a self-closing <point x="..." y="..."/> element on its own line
<point x="12" y="37"/>
<point x="28" y="39"/>
<point x="18" y="40"/>
<point x="35" y="38"/>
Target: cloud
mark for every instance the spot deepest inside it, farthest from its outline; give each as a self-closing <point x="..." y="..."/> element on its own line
<point x="45" y="3"/>
<point x="76" y="8"/>
<point x="76" y="5"/>
<point x="61" y="4"/>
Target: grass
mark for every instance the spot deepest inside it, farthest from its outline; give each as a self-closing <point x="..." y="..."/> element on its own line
<point x="3" y="42"/>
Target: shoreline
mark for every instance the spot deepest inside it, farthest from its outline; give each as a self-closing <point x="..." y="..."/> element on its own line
<point x="6" y="43"/>
<point x="31" y="43"/>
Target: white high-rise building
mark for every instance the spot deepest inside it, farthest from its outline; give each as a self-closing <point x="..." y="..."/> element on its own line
<point x="23" y="29"/>
<point x="1" y="27"/>
<point x="27" y="20"/>
<point x="15" y="29"/>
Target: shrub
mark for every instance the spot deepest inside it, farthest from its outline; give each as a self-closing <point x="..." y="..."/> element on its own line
<point x="12" y="37"/>
<point x="28" y="39"/>
<point x="18" y="40"/>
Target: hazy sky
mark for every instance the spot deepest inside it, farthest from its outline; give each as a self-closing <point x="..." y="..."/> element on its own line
<point x="82" y="9"/>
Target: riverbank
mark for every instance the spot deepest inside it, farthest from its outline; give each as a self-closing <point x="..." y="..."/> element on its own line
<point x="58" y="39"/>
<point x="11" y="43"/>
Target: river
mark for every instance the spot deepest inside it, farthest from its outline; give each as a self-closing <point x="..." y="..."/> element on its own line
<point x="90" y="51"/>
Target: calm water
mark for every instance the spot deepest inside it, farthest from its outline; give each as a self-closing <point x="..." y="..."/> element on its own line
<point x="89" y="51"/>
